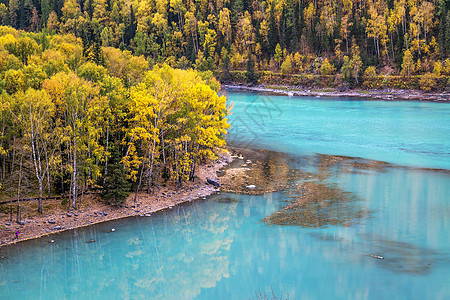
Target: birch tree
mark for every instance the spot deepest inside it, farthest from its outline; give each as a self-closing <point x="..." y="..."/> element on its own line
<point x="79" y="107"/>
<point x="33" y="112"/>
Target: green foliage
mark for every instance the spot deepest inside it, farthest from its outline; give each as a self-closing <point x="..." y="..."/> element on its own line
<point x="251" y="77"/>
<point x="210" y="80"/>
<point x="355" y="62"/>
<point x="92" y="72"/>
<point x="116" y="188"/>
<point x="346" y="68"/>
<point x="14" y="81"/>
<point x="370" y="73"/>
<point x="23" y="48"/>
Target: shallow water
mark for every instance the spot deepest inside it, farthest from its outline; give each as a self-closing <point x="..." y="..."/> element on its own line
<point x="405" y="133"/>
<point x="221" y="249"/>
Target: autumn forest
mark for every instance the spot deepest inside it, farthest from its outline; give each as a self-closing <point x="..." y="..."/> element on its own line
<point x="240" y="40"/>
<point x="69" y="125"/>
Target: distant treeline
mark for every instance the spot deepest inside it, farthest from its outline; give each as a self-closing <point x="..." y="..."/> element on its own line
<point x="68" y="124"/>
<point x="344" y="37"/>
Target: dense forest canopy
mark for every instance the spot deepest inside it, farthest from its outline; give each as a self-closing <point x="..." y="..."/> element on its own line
<point x="403" y="37"/>
<point x="69" y="123"/>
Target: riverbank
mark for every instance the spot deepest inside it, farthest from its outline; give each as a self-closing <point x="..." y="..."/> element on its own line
<point x="383" y="94"/>
<point x="92" y="211"/>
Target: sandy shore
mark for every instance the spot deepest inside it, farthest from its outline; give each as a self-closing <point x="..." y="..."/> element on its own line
<point x="92" y="211"/>
<point x="384" y="94"/>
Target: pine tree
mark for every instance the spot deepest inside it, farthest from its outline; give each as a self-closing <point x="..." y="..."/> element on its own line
<point x="251" y="77"/>
<point x="116" y="188"/>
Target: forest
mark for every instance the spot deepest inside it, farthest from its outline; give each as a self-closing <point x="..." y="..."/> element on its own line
<point x="69" y="125"/>
<point x="368" y="43"/>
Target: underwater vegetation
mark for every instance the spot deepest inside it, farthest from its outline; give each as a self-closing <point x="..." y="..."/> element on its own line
<point x="316" y="204"/>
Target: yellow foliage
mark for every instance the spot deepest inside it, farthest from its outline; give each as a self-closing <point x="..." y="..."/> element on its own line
<point x="326" y="68"/>
<point x="178" y="109"/>
<point x="428" y="81"/>
<point x="6" y="39"/>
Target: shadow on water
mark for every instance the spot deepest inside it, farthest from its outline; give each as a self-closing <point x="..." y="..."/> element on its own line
<point x="396" y="256"/>
<point x="227" y="200"/>
<point x="403" y="257"/>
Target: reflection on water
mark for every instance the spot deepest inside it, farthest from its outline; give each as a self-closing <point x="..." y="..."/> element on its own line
<point x="171" y="255"/>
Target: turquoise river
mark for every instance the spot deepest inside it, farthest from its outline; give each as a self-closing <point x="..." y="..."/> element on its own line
<point x="394" y="157"/>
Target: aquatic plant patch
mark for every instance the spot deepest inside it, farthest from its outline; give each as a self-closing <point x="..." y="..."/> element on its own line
<point x="316" y="204"/>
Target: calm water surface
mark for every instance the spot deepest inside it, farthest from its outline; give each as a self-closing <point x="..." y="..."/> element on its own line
<point x="220" y="249"/>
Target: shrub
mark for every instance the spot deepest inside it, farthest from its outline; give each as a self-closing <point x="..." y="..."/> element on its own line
<point x="286" y="66"/>
<point x="437" y="68"/>
<point x="370" y="75"/>
<point x="428" y="81"/>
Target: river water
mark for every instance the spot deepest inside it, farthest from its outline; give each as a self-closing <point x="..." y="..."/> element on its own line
<point x="393" y="157"/>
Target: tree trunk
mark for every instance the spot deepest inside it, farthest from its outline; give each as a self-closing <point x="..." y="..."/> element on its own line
<point x="392" y="48"/>
<point x="163" y="147"/>
<point x="37" y="169"/>
<point x="106" y="156"/>
<point x="75" y="174"/>
<point x="40" y="198"/>
<point x="418" y="38"/>
<point x="139" y="183"/>
<point x="150" y="169"/>
<point x="152" y="157"/>
<point x="11" y="181"/>
<point x="48" y="172"/>
<point x="192" y="173"/>
<point x="346" y="40"/>
<point x="19" y="185"/>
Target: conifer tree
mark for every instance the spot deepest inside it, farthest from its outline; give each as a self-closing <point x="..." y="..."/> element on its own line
<point x="116" y="188"/>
